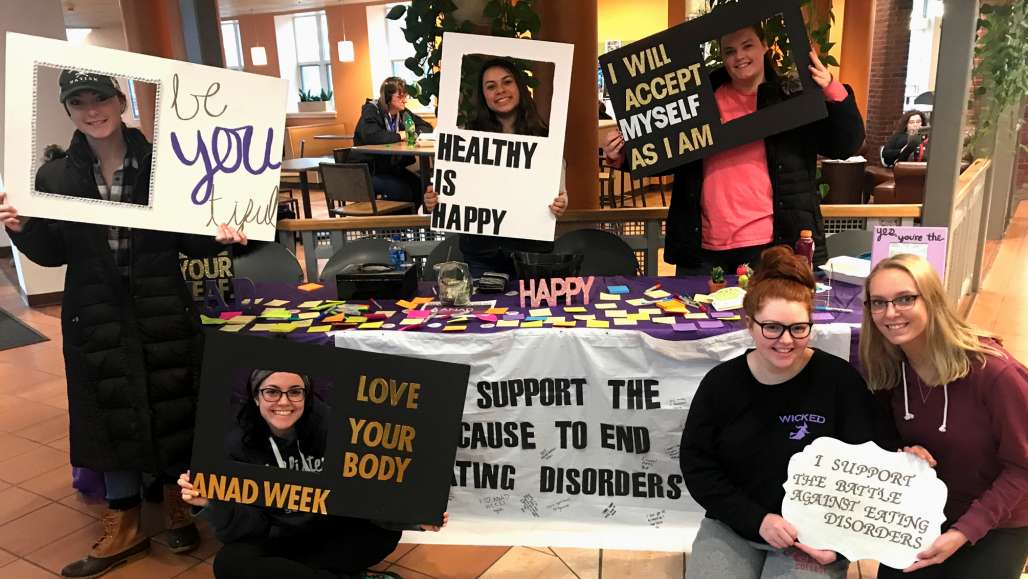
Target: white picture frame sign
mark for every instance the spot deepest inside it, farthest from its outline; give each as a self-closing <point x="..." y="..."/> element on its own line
<point x="217" y="139"/>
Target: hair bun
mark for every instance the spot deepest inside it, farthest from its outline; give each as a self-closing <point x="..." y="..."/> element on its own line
<point x="780" y="262"/>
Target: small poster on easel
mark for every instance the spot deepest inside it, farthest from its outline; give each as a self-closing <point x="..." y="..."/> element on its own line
<point x="927" y="242"/>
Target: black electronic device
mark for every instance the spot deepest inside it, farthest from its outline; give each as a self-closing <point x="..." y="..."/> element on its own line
<point x="377" y="280"/>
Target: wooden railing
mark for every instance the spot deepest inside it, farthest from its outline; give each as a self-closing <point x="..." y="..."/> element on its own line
<point x="967" y="231"/>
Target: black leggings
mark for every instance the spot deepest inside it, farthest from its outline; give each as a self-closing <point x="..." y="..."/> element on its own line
<point x="1000" y="554"/>
<point x="335" y="547"/>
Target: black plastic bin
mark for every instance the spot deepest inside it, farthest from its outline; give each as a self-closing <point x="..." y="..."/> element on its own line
<point x="546" y="265"/>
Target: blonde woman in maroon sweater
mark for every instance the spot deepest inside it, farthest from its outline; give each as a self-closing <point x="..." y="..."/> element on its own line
<point x="960" y="402"/>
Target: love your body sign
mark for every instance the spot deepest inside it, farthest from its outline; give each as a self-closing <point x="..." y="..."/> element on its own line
<point x="864" y="502"/>
<point x="217" y="139"/>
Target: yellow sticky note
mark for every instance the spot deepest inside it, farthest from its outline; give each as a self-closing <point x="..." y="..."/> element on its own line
<point x="731" y="319"/>
<point x="565" y="324"/>
<point x="597" y="324"/>
<point x="650" y="311"/>
<point x="638" y="302"/>
<point x="241" y="321"/>
<point x="610" y="297"/>
<point x="607" y="306"/>
<point x="282" y="328"/>
<point x="703" y="298"/>
<point x="625" y="322"/>
<point x="334" y="319"/>
<point x="262" y="327"/>
<point x="664" y="320"/>
<point x="585" y="317"/>
<point x="406" y="305"/>
<point x="276" y="303"/>
<point x="302" y="323"/>
<point x="355" y="320"/>
<point x="310" y="304"/>
<point x="411" y="321"/>
<point x="657" y="294"/>
<point x="497" y="311"/>
<point x="420" y="300"/>
<point x="454" y="328"/>
<point x="309" y="287"/>
<point x="276" y="313"/>
<point x="231" y="328"/>
<point x="507" y="323"/>
<point x="209" y="321"/>
<point x="318" y="329"/>
<point x="616" y="314"/>
<point x="532" y="324"/>
<point x="696" y="316"/>
<point x="575" y="310"/>
<point x="370" y="325"/>
<point x="637" y="317"/>
<point x="307" y="315"/>
<point x="554" y="320"/>
<point x="540" y="312"/>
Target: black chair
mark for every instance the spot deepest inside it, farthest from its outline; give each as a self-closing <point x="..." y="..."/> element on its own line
<point x="604" y="253"/>
<point x="361" y="251"/>
<point x="851" y="242"/>
<point x="348" y="192"/>
<point x="446" y="250"/>
<point x="267" y="262"/>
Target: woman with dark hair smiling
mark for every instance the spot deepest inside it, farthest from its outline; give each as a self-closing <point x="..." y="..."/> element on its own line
<point x="504" y="105"/>
<point x="284" y="423"/>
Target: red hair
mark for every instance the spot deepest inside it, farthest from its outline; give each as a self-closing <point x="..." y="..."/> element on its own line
<point x="780" y="275"/>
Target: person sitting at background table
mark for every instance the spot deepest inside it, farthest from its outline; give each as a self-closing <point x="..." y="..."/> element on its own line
<point x="382" y="122"/>
<point x="971" y="423"/>
<point x="503" y="105"/>
<point x="910" y="141"/>
<point x="728" y="207"/>
<point x="739" y="434"/>
<point x="284" y="423"/>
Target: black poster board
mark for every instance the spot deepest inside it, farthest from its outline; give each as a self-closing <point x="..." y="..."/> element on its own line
<point x="670" y="64"/>
<point x="429" y="415"/>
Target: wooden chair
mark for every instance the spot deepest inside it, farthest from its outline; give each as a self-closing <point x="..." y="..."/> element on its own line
<point x="348" y="192"/>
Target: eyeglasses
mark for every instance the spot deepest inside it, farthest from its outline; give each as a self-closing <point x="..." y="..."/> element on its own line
<point x="906" y="302"/>
<point x="774" y="330"/>
<point x="274" y="394"/>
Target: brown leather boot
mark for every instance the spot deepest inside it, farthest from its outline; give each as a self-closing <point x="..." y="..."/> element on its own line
<point x="123" y="541"/>
<point x="182" y="534"/>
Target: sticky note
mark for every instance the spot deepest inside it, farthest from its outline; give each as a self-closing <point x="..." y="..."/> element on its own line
<point x="822" y="316"/>
<point x="696" y="316"/>
<point x="711" y="324"/>
<point x="719" y="315"/>
<point x="657" y="294"/>
<point x="282" y="328"/>
<point x="419" y="314"/>
<point x="411" y="321"/>
<point x="616" y="314"/>
<point x="625" y="322"/>
<point x="617" y="289"/>
<point x="318" y="329"/>
<point x="276" y="303"/>
<point x="454" y="328"/>
<point x="491" y="318"/>
<point x="307" y="315"/>
<point x="663" y="320"/>
<point x="684" y="327"/>
<point x="651" y="311"/>
<point x="508" y="323"/>
<point x="336" y="319"/>
<point x="514" y="316"/>
<point x="277" y="314"/>
<point x="406" y="305"/>
<point x="310" y="304"/>
<point x="242" y="320"/>
<point x="229" y="315"/>
<point x="386" y="313"/>
<point x="496" y="311"/>
<point x="209" y="321"/>
<point x="638" y="302"/>
<point x="537" y="318"/>
<point x="232" y="328"/>
<point x="262" y="327"/>
<point x="731" y="318"/>
<point x="540" y="312"/>
<point x="370" y="326"/>
<point x="575" y="310"/>
<point x="554" y="320"/>
<point x="420" y="300"/>
<point x="609" y="297"/>
<point x="703" y="298"/>
<point x="637" y="317"/>
<point x="606" y="306"/>
<point x="302" y="323"/>
<point x="597" y="324"/>
<point x="533" y="324"/>
<point x="565" y="324"/>
<point x="355" y="320"/>
<point x="309" y="287"/>
<point x="585" y="317"/>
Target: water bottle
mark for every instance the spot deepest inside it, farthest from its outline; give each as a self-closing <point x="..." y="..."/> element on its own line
<point x="408" y="127"/>
<point x="397" y="255"/>
<point x="805" y="247"/>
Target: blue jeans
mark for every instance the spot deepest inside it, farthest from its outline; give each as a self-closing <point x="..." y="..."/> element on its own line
<point x="122" y="484"/>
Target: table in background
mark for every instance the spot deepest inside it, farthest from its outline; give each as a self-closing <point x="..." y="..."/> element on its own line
<point x="302" y="165"/>
<point x="423" y="150"/>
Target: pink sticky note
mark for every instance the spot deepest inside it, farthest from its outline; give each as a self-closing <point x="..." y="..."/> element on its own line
<point x="491" y="318"/>
<point x="822" y="317"/>
<point x="419" y="314"/>
<point x="711" y="324"/>
<point x="229" y="315"/>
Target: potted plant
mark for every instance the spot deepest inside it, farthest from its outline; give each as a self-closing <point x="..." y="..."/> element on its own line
<point x="314" y="103"/>
<point x="717" y="280"/>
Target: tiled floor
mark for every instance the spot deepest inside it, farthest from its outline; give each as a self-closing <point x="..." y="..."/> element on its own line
<point x="44" y="524"/>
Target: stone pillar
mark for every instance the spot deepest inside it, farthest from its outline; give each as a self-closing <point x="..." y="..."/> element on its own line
<point x="574" y="22"/>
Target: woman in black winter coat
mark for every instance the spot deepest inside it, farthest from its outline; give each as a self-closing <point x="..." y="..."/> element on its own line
<point x="382" y="122"/>
<point x="131" y="339"/>
<point x="283" y="423"/>
<point x="910" y="143"/>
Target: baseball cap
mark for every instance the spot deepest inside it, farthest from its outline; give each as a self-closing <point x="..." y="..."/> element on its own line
<point x="73" y="81"/>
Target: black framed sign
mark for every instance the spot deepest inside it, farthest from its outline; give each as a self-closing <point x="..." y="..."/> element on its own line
<point x="663" y="97"/>
<point x="372" y="435"/>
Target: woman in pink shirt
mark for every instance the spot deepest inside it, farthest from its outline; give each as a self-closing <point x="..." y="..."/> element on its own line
<point x="960" y="402"/>
<point x="730" y="206"/>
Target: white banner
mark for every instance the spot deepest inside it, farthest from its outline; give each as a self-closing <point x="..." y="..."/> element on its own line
<point x="571" y="436"/>
<point x="217" y="137"/>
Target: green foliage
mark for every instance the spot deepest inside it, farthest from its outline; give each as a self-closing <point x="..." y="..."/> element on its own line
<point x="425" y="21"/>
<point x="309" y="97"/>
<point x="1002" y="67"/>
<point x="717" y="274"/>
<point x="777" y="38"/>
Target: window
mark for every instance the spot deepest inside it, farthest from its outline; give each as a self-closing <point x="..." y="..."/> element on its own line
<point x="313" y="53"/>
<point x="388" y="49"/>
<point x="232" y="44"/>
<point x="399" y="49"/>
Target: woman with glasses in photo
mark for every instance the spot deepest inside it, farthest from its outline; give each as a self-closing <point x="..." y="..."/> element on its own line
<point x="749" y="416"/>
<point x="960" y="402"/>
<point x="284" y="423"/>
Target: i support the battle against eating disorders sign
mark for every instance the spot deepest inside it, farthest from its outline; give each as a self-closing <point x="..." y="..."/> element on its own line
<point x="864" y="502"/>
<point x="373" y="437"/>
<point x="492" y="182"/>
<point x="663" y="97"/>
<point x="217" y="137"/>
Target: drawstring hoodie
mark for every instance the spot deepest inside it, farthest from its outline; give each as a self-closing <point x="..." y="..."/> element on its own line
<point x="908" y="415"/>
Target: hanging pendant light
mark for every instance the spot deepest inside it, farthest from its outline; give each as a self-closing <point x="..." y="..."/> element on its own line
<point x="345" y="47"/>
<point x="258" y="55"/>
